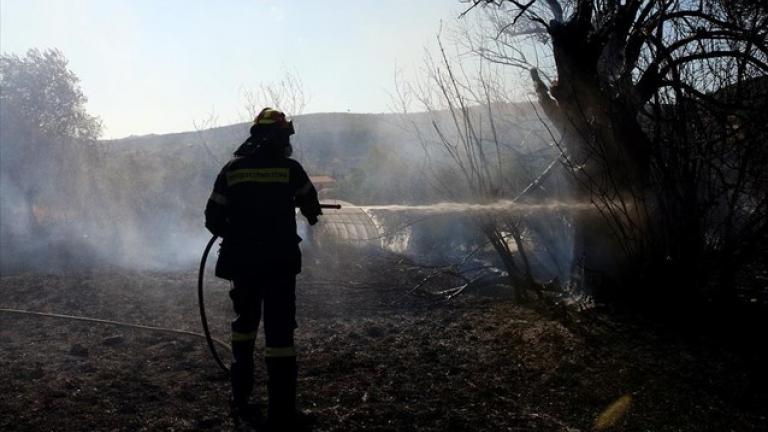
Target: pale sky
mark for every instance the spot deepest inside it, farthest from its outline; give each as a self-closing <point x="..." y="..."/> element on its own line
<point x="155" y="66"/>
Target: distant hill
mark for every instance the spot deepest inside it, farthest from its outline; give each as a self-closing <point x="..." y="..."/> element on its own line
<point x="375" y="158"/>
<point x="320" y="138"/>
<point x="324" y="141"/>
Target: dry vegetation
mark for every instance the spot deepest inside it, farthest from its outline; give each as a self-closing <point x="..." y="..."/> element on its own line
<point x="372" y="359"/>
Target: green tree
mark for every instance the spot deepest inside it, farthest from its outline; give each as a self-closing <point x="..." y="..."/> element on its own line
<point x="41" y="94"/>
<point x="44" y="129"/>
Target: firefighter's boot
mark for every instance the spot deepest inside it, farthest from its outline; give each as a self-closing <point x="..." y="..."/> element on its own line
<point x="241" y="372"/>
<point x="281" y="387"/>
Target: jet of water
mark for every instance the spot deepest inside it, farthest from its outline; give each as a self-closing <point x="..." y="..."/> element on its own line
<point x="505" y="206"/>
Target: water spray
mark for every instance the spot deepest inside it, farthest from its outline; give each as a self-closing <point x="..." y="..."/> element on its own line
<point x="506" y="206"/>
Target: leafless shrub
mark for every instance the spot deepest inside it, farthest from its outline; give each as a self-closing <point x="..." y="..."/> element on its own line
<point x="480" y="147"/>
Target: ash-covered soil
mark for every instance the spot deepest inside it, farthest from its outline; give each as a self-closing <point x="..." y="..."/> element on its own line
<point x="373" y="357"/>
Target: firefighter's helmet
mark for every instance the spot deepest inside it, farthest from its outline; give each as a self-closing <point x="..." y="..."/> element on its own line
<point x="272" y="121"/>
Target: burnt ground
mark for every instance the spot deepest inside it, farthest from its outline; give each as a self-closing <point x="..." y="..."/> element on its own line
<point x="373" y="357"/>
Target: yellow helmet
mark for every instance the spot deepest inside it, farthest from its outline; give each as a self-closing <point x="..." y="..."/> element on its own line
<point x="270" y="118"/>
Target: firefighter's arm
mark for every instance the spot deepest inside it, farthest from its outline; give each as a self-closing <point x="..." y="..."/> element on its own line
<point x="216" y="218"/>
<point x="306" y="199"/>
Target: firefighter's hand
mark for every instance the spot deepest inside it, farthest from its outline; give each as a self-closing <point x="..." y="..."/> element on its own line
<point x="312" y="219"/>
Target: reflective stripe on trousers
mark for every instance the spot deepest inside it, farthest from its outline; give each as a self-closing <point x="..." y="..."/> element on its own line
<point x="242" y="337"/>
<point x="272" y="352"/>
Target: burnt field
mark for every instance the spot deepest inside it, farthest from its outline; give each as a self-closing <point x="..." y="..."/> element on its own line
<point x="374" y="355"/>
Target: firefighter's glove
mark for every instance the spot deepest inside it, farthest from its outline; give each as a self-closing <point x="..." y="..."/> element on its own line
<point x="312" y="219"/>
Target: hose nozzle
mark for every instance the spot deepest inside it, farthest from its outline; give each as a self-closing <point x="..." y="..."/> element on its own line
<point x="330" y="206"/>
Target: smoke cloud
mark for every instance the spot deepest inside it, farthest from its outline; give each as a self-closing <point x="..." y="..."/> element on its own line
<point x="138" y="202"/>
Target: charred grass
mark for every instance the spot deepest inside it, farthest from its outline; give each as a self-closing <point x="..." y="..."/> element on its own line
<point x="372" y="357"/>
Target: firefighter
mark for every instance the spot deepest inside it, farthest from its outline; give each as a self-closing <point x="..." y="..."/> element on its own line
<point x="252" y="208"/>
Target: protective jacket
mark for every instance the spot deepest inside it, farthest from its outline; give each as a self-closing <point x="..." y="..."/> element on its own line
<point x="252" y="208"/>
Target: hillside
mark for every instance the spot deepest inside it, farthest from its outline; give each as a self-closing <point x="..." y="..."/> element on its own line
<point x="320" y="138"/>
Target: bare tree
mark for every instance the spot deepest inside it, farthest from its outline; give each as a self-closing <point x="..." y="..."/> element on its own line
<point x="203" y="128"/>
<point x="480" y="148"/>
<point x="288" y="95"/>
<point x="631" y="86"/>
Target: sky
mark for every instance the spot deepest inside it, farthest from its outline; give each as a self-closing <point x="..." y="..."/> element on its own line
<point x="159" y="66"/>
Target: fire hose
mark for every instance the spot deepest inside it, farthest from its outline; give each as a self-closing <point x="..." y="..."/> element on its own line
<point x="201" y="299"/>
<point x="206" y="335"/>
<point x="201" y="304"/>
<point x="212" y="341"/>
<point x="111" y="322"/>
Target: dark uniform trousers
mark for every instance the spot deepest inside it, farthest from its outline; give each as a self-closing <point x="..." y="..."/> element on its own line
<point x="277" y="294"/>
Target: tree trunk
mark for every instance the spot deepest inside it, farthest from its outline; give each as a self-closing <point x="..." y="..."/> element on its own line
<point x="607" y="156"/>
